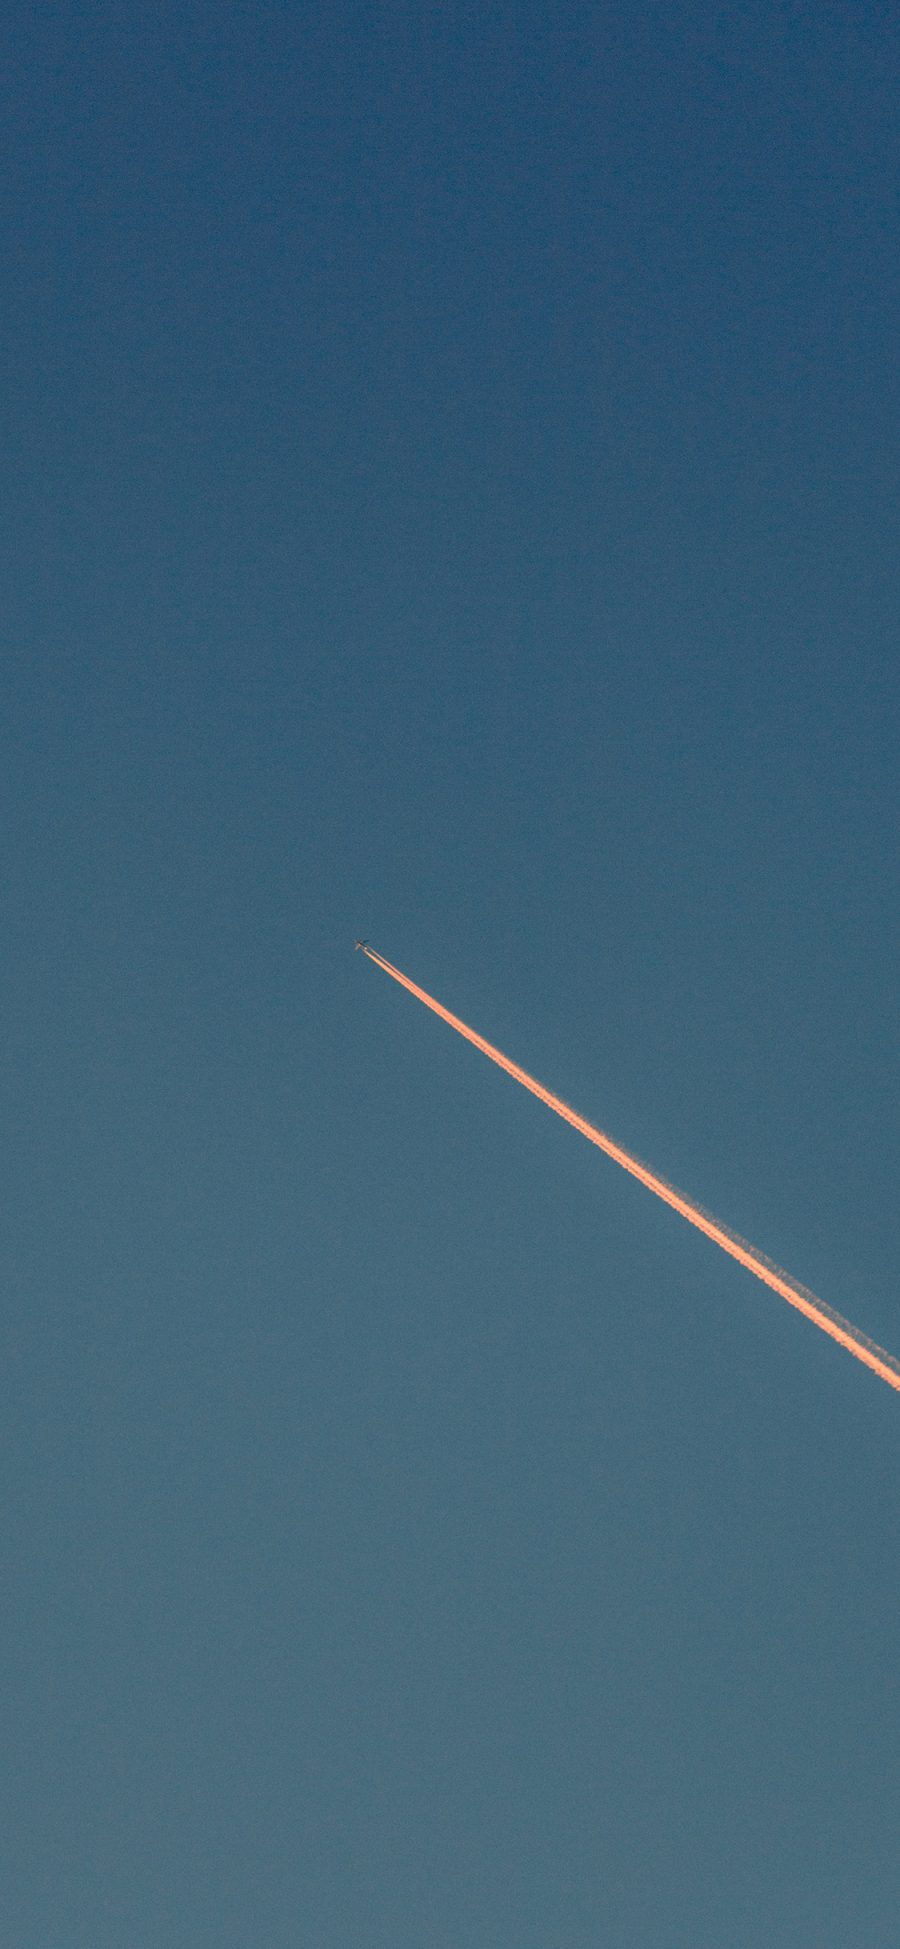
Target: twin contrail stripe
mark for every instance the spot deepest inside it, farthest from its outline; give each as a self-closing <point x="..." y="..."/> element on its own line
<point x="796" y="1295"/>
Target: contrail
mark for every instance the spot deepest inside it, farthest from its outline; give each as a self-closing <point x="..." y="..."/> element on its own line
<point x="796" y="1295"/>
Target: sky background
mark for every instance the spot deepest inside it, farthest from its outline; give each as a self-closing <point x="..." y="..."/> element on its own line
<point x="451" y="483"/>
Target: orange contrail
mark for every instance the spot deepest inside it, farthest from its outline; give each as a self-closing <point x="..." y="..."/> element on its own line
<point x="806" y="1302"/>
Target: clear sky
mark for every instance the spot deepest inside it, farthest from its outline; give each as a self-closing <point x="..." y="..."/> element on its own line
<point x="451" y="489"/>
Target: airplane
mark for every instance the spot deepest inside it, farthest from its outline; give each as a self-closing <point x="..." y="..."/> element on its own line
<point x="359" y="944"/>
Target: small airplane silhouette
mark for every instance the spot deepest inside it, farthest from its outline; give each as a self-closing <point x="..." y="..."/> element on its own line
<point x="361" y="944"/>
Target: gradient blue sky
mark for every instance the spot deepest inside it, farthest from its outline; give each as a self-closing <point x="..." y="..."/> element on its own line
<point x="451" y="494"/>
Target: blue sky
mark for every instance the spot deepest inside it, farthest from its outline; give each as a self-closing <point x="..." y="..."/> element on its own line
<point x="451" y="466"/>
